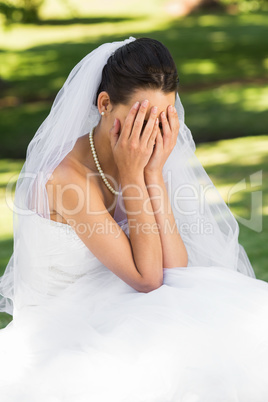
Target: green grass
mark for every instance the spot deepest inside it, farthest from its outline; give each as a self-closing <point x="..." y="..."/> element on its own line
<point x="227" y="162"/>
<point x="222" y="63"/>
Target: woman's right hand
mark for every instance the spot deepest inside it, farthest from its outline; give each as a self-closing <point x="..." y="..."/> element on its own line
<point x="132" y="149"/>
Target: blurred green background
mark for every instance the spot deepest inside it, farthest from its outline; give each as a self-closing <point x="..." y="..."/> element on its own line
<point x="220" y="48"/>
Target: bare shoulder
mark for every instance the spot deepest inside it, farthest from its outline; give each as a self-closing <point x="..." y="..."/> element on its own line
<point x="67" y="171"/>
<point x="70" y="182"/>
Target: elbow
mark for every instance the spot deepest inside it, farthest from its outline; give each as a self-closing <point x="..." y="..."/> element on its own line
<point x="152" y="284"/>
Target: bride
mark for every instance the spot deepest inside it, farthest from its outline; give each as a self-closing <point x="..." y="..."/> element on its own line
<point x="127" y="281"/>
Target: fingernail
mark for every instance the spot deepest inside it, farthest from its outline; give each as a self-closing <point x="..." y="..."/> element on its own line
<point x="114" y="122"/>
<point x="171" y="108"/>
<point x="154" y="109"/>
<point x="163" y="115"/>
<point x="145" y="103"/>
<point x="136" y="106"/>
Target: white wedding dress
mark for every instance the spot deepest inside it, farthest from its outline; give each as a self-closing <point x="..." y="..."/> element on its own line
<point x="201" y="337"/>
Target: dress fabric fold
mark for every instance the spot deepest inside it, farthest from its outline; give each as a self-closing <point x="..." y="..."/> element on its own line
<point x="82" y="334"/>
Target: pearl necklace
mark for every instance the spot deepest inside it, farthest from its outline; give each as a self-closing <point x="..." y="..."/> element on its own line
<point x="97" y="163"/>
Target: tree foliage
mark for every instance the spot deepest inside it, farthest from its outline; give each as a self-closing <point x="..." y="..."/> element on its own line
<point x="25" y="11"/>
<point x="246" y="5"/>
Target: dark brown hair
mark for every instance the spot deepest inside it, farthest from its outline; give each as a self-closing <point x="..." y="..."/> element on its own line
<point x="141" y="64"/>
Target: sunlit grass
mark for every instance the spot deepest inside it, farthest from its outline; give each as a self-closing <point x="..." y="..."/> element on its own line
<point x="21" y="37"/>
<point x="9" y="171"/>
<point x="221" y="60"/>
<point x="203" y="67"/>
<point x="227" y="111"/>
<point x="56" y="8"/>
<point x="249" y="151"/>
<point x="211" y="114"/>
<point x="230" y="162"/>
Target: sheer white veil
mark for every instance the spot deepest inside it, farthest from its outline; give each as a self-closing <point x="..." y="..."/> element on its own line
<point x="206" y="224"/>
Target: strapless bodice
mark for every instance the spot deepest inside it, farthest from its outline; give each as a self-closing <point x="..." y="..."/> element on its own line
<point x="61" y="243"/>
<point x="57" y="257"/>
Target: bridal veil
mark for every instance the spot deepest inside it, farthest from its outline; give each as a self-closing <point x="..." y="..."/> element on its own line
<point x="206" y="224"/>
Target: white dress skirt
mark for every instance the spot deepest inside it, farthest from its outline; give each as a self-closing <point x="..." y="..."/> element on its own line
<point x="81" y="334"/>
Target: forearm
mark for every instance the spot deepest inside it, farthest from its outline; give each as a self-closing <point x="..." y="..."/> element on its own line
<point x="143" y="229"/>
<point x="173" y="249"/>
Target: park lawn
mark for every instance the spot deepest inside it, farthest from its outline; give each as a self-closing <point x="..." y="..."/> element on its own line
<point x="227" y="162"/>
<point x="221" y="59"/>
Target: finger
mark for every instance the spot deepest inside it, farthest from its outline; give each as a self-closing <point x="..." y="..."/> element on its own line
<point x="159" y="140"/>
<point x="114" y="133"/>
<point x="138" y="123"/>
<point x="173" y="119"/>
<point x="128" y="123"/>
<point x="150" y="126"/>
<point x="166" y="130"/>
<point x="152" y="137"/>
<point x="158" y="149"/>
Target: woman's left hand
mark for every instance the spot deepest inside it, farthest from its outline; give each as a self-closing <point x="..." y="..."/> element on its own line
<point x="164" y="144"/>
